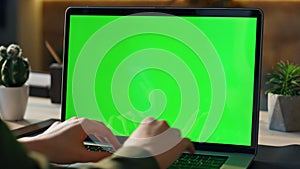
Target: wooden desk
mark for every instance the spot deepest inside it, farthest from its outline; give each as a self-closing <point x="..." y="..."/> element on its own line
<point x="272" y="137"/>
<point x="38" y="109"/>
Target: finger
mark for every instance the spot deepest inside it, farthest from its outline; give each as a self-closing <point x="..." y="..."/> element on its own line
<point x="99" y="138"/>
<point x="108" y="135"/>
<point x="92" y="126"/>
<point x="148" y="120"/>
<point x="188" y="145"/>
<point x="73" y="118"/>
<point x="184" y="145"/>
<point x="164" y="122"/>
<point x="114" y="142"/>
<point x="175" y="132"/>
<point x="103" y="133"/>
<point x="96" y="122"/>
<point x="53" y="125"/>
<point x="111" y="139"/>
<point x="161" y="126"/>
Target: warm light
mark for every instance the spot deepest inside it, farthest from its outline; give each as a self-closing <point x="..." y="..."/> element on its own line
<point x="266" y="0"/>
<point x="106" y="0"/>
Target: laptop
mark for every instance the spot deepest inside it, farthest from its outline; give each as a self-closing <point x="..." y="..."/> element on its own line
<point x="196" y="68"/>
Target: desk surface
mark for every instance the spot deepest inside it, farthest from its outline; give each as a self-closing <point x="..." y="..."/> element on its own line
<point x="270" y="157"/>
<point x="40" y="109"/>
<point x="283" y="157"/>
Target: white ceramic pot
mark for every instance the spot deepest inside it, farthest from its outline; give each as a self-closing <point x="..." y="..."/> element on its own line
<point x="13" y="102"/>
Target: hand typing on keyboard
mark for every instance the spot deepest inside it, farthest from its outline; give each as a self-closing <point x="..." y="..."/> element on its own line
<point x="63" y="141"/>
<point x="163" y="142"/>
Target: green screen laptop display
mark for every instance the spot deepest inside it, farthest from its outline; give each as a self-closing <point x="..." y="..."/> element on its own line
<point x="196" y="72"/>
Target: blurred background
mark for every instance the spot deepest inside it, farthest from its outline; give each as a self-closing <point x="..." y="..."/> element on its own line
<point x="30" y="23"/>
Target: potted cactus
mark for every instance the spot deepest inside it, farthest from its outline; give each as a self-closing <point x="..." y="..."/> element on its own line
<point x="14" y="92"/>
<point x="284" y="97"/>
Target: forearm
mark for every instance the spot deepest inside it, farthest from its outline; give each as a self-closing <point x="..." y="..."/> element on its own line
<point x="124" y="158"/>
<point x="35" y="144"/>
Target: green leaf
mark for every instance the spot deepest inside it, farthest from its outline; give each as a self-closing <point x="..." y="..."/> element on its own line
<point x="285" y="79"/>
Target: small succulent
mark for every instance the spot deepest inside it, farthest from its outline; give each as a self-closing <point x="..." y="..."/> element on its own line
<point x="285" y="79"/>
<point x="14" y="69"/>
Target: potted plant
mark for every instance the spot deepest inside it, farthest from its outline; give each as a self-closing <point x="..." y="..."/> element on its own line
<point x="14" y="72"/>
<point x="283" y="97"/>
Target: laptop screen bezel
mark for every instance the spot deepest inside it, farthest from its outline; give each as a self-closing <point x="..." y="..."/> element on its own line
<point x="223" y="12"/>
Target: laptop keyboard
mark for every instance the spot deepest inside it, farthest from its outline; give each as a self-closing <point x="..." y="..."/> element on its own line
<point x="99" y="148"/>
<point x="186" y="161"/>
<point x="198" y="161"/>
